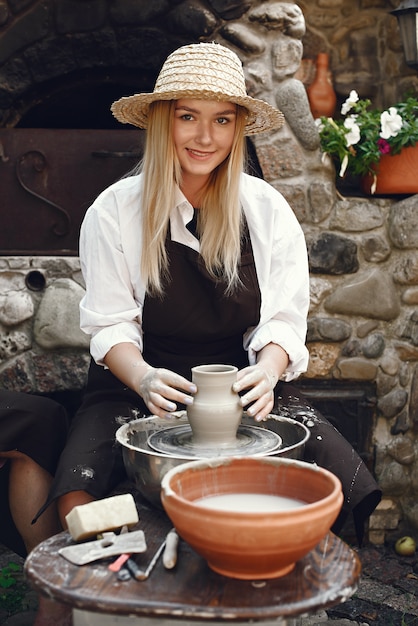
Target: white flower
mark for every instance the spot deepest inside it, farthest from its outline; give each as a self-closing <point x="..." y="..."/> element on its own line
<point x="353" y="136"/>
<point x="319" y="124"/>
<point x="350" y="102"/>
<point x="391" y="123"/>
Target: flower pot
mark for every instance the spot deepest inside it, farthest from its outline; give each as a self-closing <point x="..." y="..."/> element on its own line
<point x="396" y="174"/>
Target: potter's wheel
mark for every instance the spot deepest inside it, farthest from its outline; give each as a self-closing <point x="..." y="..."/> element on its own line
<point x="251" y="440"/>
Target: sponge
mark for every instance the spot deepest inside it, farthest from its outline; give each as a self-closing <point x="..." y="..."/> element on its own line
<point x="87" y="520"/>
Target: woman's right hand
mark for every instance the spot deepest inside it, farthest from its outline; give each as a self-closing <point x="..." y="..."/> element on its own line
<point x="161" y="389"/>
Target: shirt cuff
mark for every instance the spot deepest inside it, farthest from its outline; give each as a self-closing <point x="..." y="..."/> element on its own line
<point x="110" y="336"/>
<point x="283" y="335"/>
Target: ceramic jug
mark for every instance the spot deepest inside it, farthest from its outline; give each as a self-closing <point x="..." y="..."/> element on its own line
<point x="216" y="411"/>
<point x="321" y="94"/>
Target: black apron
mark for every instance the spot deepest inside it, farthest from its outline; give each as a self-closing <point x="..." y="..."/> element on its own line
<point x="196" y="323"/>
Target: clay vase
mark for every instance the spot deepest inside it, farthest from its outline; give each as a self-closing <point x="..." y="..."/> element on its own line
<point x="216" y="411"/>
<point x="321" y="94"/>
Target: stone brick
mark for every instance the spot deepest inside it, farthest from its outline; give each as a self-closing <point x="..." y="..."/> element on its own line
<point x="355" y="369"/>
<point x="193" y="19"/>
<point x="72" y="16"/>
<point x="372" y="296"/>
<point x="242" y="36"/>
<point x="280" y="161"/>
<point x="280" y="16"/>
<point x="386" y="516"/>
<point x="137" y="11"/>
<point x="413" y="404"/>
<point x="377" y="537"/>
<point x="405" y="270"/>
<point x="12" y="343"/>
<point x="60" y="372"/>
<point x="392" y="403"/>
<point x="401" y="449"/>
<point x="322" y="358"/>
<point x="25" y="30"/>
<point x="52" y="57"/>
<point x="321" y="200"/>
<point x="230" y="9"/>
<point x="328" y="330"/>
<point x="57" y="321"/>
<point x="375" y="249"/>
<point x="410" y="330"/>
<point x="373" y="346"/>
<point x="356" y="215"/>
<point x="15" y="79"/>
<point x="296" y="197"/>
<point x="291" y="98"/>
<point x="410" y="296"/>
<point x="333" y="254"/>
<point x="95" y="49"/>
<point x="405" y="351"/>
<point x="17" y="375"/>
<point x="144" y="47"/>
<point x="403" y="223"/>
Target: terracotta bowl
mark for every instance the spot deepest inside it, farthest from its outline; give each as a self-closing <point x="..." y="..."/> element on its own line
<point x="251" y="544"/>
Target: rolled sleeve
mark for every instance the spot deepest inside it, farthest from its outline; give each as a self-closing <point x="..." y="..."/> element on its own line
<point x="110" y="336"/>
<point x="283" y="335"/>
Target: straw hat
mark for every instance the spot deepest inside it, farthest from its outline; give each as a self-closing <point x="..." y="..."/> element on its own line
<point x="203" y="71"/>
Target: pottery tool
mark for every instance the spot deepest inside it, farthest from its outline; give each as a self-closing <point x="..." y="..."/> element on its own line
<point x="133" y="569"/>
<point x="118" y="563"/>
<point x="110" y="545"/>
<point x="124" y="574"/>
<point x="88" y="520"/>
<point x="170" y="551"/>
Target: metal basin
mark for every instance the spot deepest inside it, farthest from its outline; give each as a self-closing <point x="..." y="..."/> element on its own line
<point x="146" y="467"/>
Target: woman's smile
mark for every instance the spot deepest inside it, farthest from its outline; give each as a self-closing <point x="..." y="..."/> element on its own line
<point x="198" y="154"/>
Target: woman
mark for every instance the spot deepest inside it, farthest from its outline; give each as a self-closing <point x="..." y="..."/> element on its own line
<point x="33" y="430"/>
<point x="191" y="261"/>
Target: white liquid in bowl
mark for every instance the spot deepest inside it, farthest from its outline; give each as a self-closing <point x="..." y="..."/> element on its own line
<point x="250" y="503"/>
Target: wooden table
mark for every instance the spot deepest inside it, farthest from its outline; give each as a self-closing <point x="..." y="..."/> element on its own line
<point x="191" y="591"/>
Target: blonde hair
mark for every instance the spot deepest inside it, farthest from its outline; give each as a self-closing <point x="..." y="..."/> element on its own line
<point x="219" y="215"/>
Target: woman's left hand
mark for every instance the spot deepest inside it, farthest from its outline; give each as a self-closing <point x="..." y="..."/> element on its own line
<point x="261" y="383"/>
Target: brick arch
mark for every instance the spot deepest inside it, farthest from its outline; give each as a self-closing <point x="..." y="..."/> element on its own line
<point x="83" y="72"/>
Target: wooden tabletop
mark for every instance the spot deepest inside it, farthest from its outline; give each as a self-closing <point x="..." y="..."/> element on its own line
<point x="327" y="576"/>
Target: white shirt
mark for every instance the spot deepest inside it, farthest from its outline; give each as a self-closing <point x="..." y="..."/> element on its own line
<point x="110" y="254"/>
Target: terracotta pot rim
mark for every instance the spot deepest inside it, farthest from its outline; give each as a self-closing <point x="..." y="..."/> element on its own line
<point x="309" y="507"/>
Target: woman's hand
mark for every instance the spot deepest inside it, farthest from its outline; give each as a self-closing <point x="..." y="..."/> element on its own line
<point x="261" y="383"/>
<point x="261" y="379"/>
<point x="161" y="389"/>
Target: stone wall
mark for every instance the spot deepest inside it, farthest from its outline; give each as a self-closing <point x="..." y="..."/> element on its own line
<point x="363" y="251"/>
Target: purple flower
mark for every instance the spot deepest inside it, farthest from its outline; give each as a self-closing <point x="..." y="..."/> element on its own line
<point x="383" y="145"/>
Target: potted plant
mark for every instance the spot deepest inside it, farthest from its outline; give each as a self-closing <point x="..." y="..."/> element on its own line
<point x="369" y="143"/>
